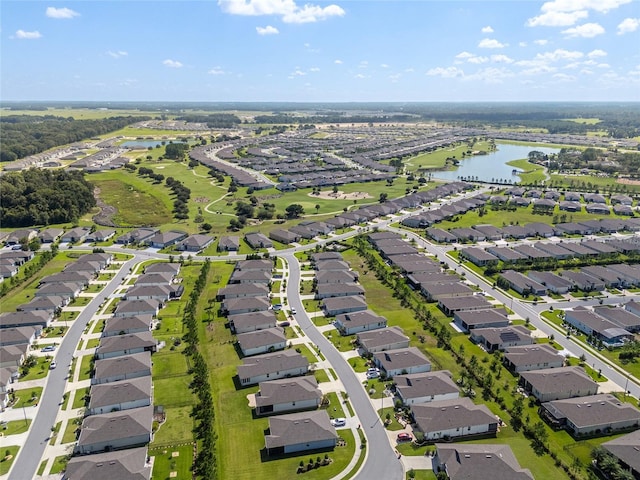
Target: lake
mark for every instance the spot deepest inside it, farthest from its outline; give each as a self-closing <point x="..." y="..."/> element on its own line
<point x="494" y="165"/>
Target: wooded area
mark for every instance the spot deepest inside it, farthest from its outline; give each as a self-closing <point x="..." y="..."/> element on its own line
<point x="43" y="197"/>
<point x="24" y="135"/>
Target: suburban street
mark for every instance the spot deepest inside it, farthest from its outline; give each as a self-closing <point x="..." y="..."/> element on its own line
<point x="381" y="461"/>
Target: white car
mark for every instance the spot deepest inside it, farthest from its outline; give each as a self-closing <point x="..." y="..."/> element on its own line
<point x="372" y="375"/>
<point x="338" y="422"/>
<point x="293" y="311"/>
<point x="52" y="365"/>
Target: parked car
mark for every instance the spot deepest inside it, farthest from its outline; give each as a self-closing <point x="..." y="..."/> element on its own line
<point x="372" y="375"/>
<point x="404" y="437"/>
<point x="293" y="311"/>
<point x="49" y="348"/>
<point x="52" y="365"/>
<point x="338" y="422"/>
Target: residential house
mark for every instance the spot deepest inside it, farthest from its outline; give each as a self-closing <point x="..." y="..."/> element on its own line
<point x="389" y="338"/>
<point x="532" y="357"/>
<point x="118" y="396"/>
<point x="479" y="256"/>
<point x="126" y="367"/>
<point x="478" y="462"/>
<point x="51" y="304"/>
<point x="337" y="305"/>
<point x="554" y="283"/>
<point x="115" y="431"/>
<point x="38" y="318"/>
<point x="434" y="292"/>
<point x="153" y="279"/>
<point x="493" y="339"/>
<point x="299" y="432"/>
<point x="272" y="366"/>
<point x="229" y="243"/>
<point x="128" y="308"/>
<point x="127" y="325"/>
<point x="602" y="414"/>
<point x="457" y="304"/>
<point x="18" y="236"/>
<point x="425" y="387"/>
<point x="331" y="265"/>
<point x="237" y="306"/>
<point x="468" y="320"/>
<point x="558" y="383"/>
<point x="161" y="293"/>
<point x="326" y="290"/>
<point x="130" y="464"/>
<point x="582" y="281"/>
<point x="258" y="240"/>
<point x="163" y="267"/>
<point x="248" y="265"/>
<point x="455" y="418"/>
<point x="119" y="345"/>
<point x="284" y="236"/>
<point x="250" y="276"/>
<point x="335" y="277"/>
<point x="522" y="284"/>
<point x="621" y="317"/>
<point x="252" y="321"/>
<point x="402" y="361"/>
<point x="556" y="250"/>
<point x="592" y="324"/>
<point x="13" y="355"/>
<point x="625" y="449"/>
<point x="506" y="254"/>
<point x="75" y="235"/>
<point x="243" y="290"/>
<point x="195" y="243"/>
<point x="287" y="395"/>
<point x="101" y="235"/>
<point x="166" y="239"/>
<point x="65" y="290"/>
<point x="50" y="235"/>
<point x="262" y="341"/>
<point x="441" y="236"/>
<point x="19" y="335"/>
<point x="356" y="322"/>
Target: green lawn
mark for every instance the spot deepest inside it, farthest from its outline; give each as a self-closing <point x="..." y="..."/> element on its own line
<point x="177" y="428"/>
<point x="321" y="375"/>
<point x="59" y="464"/>
<point x="14" y="427"/>
<point x="166" y="461"/>
<point x="343" y="344"/>
<point x="436" y="159"/>
<point x="393" y="425"/>
<point x="531" y="172"/>
<point x="79" y="397"/>
<point x="173" y="391"/>
<point x="70" y="431"/>
<point x="40" y="370"/>
<point x="306" y="352"/>
<point x="334" y="407"/>
<point x="7" y="458"/>
<point x="85" y="367"/>
<point x="420" y="474"/>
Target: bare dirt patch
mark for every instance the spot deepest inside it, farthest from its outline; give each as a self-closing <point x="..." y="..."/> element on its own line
<point x="628" y="181"/>
<point x="340" y="195"/>
<point x="201" y="200"/>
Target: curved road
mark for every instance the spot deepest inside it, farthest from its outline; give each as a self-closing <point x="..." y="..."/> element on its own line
<point x="381" y="461"/>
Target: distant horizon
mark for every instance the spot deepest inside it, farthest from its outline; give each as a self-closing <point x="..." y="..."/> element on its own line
<point x="318" y="51"/>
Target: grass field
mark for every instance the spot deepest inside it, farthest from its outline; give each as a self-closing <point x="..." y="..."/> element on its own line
<point x="435" y="160"/>
<point x="8" y="456"/>
<point x="169" y="459"/>
<point x="530" y="172"/>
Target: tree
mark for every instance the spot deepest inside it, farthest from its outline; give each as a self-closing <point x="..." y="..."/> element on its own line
<point x="295" y="210"/>
<point x="539" y="437"/>
<point x="317" y="208"/>
<point x="383" y="197"/>
<point x="206" y="227"/>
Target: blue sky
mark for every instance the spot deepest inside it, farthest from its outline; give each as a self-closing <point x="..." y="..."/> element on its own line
<point x="342" y="51"/>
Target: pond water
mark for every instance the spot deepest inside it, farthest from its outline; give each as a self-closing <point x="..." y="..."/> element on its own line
<point x="142" y="143"/>
<point x="494" y="165"/>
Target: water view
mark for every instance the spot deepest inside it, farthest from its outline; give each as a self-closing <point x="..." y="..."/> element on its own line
<point x="493" y="166"/>
<point x="142" y="143"/>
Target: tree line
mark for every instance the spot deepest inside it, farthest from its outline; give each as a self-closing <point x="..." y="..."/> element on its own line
<point x="24" y="135"/>
<point x="43" y="197"/>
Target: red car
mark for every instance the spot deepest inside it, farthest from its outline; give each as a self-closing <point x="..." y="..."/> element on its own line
<point x="404" y="437"/>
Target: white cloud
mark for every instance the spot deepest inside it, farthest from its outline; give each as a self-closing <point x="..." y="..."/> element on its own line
<point x="586" y="71"/>
<point x="287" y="9"/>
<point x="501" y="59"/>
<point x="216" y="71"/>
<point x="395" y="77"/>
<point x="338" y="62"/>
<point x="541" y="42"/>
<point x="564" y="13"/>
<point x="557" y="19"/>
<point x="559" y="54"/>
<point x="268" y="30"/>
<point x="314" y="69"/>
<point x="61" y="13"/>
<point x="628" y="25"/>
<point x="597" y="53"/>
<point x="360" y="75"/>
<point x="298" y="73"/>
<point x="23" y="35"/>
<point x="587" y="30"/>
<point x="384" y="65"/>
<point x="487" y="29"/>
<point x="478" y="60"/>
<point x="491" y="43"/>
<point x="465" y="55"/>
<point x="563" y="77"/>
<point x="363" y="64"/>
<point x="604" y="65"/>
<point x="172" y="63"/>
<point x="118" y="54"/>
<point x="409" y="70"/>
<point x="522" y="44"/>
<point x="449" y="72"/>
